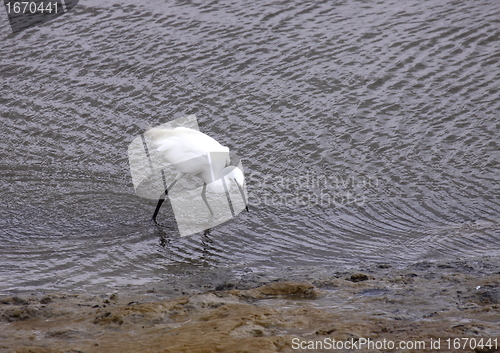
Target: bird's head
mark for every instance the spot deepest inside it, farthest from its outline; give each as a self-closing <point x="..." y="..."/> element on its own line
<point x="229" y="176"/>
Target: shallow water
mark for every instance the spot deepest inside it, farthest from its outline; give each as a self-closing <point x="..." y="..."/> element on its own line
<point x="368" y="132"/>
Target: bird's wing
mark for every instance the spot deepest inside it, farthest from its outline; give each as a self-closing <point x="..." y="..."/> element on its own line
<point x="182" y="144"/>
<point x="199" y="140"/>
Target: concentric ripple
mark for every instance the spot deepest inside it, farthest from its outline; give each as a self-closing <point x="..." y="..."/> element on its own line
<point x="368" y="132"/>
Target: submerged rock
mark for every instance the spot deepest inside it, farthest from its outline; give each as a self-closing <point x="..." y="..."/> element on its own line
<point x="280" y="289"/>
<point x="358" y="277"/>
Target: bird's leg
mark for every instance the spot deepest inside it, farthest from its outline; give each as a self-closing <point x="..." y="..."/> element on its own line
<point x="204" y="197"/>
<point x="162" y="197"/>
<point x="228" y="197"/>
<point x="158" y="205"/>
<point x="242" y="194"/>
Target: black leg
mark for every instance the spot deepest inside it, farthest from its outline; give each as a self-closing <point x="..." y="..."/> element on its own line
<point x="242" y="195"/>
<point x="158" y="205"/>
<point x="162" y="198"/>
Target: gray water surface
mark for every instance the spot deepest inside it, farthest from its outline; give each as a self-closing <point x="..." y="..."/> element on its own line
<point x="369" y="132"/>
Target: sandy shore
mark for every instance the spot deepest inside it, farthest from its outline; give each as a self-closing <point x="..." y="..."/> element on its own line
<point x="425" y="305"/>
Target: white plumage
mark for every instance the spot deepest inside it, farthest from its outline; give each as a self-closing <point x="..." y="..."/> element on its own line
<point x="195" y="153"/>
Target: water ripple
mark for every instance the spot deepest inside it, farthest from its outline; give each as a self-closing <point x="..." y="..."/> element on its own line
<point x="391" y="109"/>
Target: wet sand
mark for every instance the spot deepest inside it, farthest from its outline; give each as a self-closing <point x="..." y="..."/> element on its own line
<point x="429" y="302"/>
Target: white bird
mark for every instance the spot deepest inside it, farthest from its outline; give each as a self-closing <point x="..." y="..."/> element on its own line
<point x="195" y="153"/>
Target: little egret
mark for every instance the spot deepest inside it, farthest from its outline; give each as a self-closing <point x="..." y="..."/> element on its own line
<point x="195" y="153"/>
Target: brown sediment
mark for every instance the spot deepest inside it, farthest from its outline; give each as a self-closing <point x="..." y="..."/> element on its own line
<point x="422" y="303"/>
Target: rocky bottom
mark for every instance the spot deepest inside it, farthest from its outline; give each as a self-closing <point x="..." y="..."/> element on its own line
<point x="429" y="306"/>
